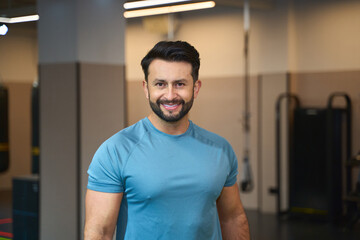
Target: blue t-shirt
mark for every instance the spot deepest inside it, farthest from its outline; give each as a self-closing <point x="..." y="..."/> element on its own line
<point x="170" y="182"/>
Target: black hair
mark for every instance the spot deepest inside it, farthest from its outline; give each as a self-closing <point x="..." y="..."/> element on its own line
<point x="178" y="51"/>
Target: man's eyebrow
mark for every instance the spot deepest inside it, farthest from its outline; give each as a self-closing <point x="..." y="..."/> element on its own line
<point x="156" y="80"/>
<point x="159" y="80"/>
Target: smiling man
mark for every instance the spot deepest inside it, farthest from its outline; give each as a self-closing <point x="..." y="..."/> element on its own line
<point x="165" y="177"/>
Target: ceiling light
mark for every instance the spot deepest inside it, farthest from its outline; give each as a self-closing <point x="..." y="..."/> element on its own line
<point x="5" y="20"/>
<point x="19" y="19"/>
<point x="3" y="29"/>
<point x="169" y="9"/>
<point x="149" y="3"/>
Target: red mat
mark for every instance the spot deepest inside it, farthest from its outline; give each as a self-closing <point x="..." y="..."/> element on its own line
<point x="5" y="221"/>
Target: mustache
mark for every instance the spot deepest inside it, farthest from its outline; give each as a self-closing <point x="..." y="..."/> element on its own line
<point x="170" y="102"/>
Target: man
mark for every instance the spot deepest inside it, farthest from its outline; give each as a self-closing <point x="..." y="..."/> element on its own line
<point x="164" y="177"/>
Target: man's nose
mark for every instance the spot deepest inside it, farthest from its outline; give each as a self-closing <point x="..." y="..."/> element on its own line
<point x="171" y="93"/>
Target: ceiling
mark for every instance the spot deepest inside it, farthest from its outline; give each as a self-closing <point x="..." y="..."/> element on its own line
<point x="15" y="8"/>
<point x="16" y="3"/>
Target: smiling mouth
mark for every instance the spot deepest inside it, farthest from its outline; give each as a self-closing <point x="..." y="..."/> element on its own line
<point x="170" y="107"/>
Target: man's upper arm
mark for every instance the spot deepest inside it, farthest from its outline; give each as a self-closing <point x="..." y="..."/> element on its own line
<point x="229" y="203"/>
<point x="234" y="224"/>
<point x="102" y="211"/>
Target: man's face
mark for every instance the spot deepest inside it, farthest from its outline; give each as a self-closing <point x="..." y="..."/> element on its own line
<point x="170" y="89"/>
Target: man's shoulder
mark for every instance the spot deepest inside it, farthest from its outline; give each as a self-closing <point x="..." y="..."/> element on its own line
<point x="128" y="136"/>
<point x="209" y="137"/>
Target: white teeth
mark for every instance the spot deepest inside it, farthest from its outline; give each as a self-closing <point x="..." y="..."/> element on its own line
<point x="170" y="105"/>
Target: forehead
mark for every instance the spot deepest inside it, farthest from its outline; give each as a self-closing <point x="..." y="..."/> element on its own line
<point x="169" y="70"/>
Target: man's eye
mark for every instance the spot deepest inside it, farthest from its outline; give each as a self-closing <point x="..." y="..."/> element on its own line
<point x="180" y="84"/>
<point x="159" y="84"/>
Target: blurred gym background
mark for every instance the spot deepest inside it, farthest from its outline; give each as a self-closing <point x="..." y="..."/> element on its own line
<point x="72" y="78"/>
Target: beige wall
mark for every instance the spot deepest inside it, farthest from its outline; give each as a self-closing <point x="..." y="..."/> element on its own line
<point x="325" y="36"/>
<point x="19" y="54"/>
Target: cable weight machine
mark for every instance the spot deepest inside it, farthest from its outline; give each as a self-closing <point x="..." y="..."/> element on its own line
<point x="318" y="141"/>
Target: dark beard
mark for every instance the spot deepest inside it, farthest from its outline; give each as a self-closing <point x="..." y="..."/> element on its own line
<point x="172" y="118"/>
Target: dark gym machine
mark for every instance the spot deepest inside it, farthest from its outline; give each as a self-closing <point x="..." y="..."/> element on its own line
<point x="318" y="140"/>
<point x="4" y="130"/>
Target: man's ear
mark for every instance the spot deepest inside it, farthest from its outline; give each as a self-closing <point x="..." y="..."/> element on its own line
<point x="197" y="86"/>
<point x="145" y="88"/>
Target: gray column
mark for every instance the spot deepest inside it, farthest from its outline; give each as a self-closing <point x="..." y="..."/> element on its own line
<point x="82" y="102"/>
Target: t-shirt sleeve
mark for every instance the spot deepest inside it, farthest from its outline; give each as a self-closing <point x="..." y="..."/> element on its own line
<point x="104" y="171"/>
<point x="231" y="179"/>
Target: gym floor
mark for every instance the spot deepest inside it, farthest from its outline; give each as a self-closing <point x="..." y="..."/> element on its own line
<point x="262" y="226"/>
<point x="270" y="227"/>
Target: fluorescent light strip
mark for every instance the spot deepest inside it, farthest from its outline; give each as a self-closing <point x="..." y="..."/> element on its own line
<point x="20" y="19"/>
<point x="169" y="9"/>
<point x="150" y="3"/>
<point x="5" y="20"/>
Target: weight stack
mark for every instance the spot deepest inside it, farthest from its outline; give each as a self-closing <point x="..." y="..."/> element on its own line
<point x="316" y="180"/>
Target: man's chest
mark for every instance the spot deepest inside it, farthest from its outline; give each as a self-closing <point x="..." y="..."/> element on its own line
<point x="170" y="170"/>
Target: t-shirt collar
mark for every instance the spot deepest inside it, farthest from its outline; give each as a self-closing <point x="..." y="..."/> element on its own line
<point x="153" y="128"/>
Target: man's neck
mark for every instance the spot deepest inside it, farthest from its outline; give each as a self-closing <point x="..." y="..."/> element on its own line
<point x="172" y="128"/>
